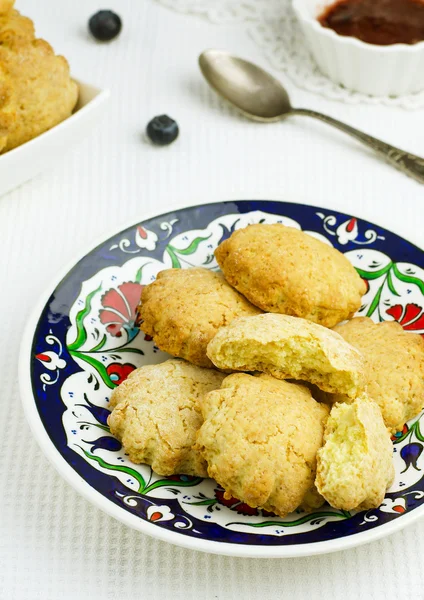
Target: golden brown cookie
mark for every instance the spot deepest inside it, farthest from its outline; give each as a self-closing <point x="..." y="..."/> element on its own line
<point x="284" y="270"/>
<point x="260" y="439"/>
<point x="394" y="367"/>
<point x="312" y="500"/>
<point x="14" y="26"/>
<point x="36" y="91"/>
<point x="355" y="465"/>
<point x="289" y="348"/>
<point x="6" y="6"/>
<point x="184" y="308"/>
<point x="7" y="108"/>
<point x="156" y="415"/>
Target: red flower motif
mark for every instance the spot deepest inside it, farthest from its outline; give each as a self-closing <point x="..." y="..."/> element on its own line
<point x="144" y="238"/>
<point x="241" y="507"/>
<point x="367" y="283"/>
<point x="118" y="373"/>
<point x="120" y="308"/>
<point x="411" y="317"/>
<point x="399" y="434"/>
<point x="351" y="225"/>
<point x="266" y="513"/>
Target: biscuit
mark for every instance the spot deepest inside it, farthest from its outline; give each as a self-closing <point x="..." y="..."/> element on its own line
<point x="284" y="270"/>
<point x="260" y="438"/>
<point x="7" y="109"/>
<point x="312" y="500"/>
<point x="156" y="415"/>
<point x="355" y="465"/>
<point x="6" y="6"/>
<point x="14" y="26"/>
<point x="289" y="348"/>
<point x="36" y="91"/>
<point x="394" y="367"/>
<point x="184" y="308"/>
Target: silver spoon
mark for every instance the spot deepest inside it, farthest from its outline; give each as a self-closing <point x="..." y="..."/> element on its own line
<point x="259" y="96"/>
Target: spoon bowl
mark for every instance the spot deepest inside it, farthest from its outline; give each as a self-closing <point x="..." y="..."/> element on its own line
<point x="253" y="91"/>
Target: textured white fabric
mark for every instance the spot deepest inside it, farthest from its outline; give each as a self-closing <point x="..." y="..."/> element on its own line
<point x="53" y="544"/>
<point x="273" y="26"/>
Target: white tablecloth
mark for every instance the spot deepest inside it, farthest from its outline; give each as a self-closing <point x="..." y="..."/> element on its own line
<point x="53" y="543"/>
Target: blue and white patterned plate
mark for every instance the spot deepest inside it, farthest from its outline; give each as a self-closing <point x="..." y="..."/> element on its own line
<point x="82" y="341"/>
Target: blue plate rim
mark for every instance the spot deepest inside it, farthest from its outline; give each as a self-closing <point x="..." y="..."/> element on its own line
<point x="97" y="499"/>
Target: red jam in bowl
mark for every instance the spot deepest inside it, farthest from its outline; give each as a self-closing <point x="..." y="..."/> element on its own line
<point x="380" y="22"/>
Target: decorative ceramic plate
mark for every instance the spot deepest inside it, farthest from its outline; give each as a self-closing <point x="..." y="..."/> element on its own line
<point x="81" y="342"/>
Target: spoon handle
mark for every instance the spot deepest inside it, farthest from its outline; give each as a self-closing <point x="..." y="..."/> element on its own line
<point x="410" y="164"/>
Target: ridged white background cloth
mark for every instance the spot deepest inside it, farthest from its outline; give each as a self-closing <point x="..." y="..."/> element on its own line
<point x="53" y="544"/>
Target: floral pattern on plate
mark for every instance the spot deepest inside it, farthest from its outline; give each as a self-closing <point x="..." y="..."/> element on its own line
<point x="88" y="341"/>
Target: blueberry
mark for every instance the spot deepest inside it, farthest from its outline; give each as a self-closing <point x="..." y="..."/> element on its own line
<point x="162" y="130"/>
<point x="105" y="25"/>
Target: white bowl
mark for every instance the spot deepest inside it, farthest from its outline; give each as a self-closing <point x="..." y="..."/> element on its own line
<point x="24" y="162"/>
<point x="393" y="70"/>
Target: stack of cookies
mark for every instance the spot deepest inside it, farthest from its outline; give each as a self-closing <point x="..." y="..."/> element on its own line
<point x="36" y="91"/>
<point x="276" y="392"/>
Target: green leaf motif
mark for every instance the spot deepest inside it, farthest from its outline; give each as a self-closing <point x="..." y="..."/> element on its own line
<point x="122" y="350"/>
<point x="121" y="468"/>
<point x="174" y="259"/>
<point x="416" y="429"/>
<point x="171" y="482"/>
<point x="369" y="275"/>
<point x="399" y="439"/>
<point x="142" y="489"/>
<point x="81" y="332"/>
<point x="390" y="284"/>
<point x="100" y="368"/>
<point x="301" y="521"/>
<point x="387" y="272"/>
<point x="139" y="273"/>
<point x="408" y="279"/>
<point x="174" y="253"/>
<point x="375" y="302"/>
<point x="206" y="502"/>
<point x="100" y="345"/>
<point x="413" y="429"/>
<point x="191" y="249"/>
<point x="98" y="425"/>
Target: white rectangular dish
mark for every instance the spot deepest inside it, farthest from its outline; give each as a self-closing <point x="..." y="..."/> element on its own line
<point x="24" y="162"/>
